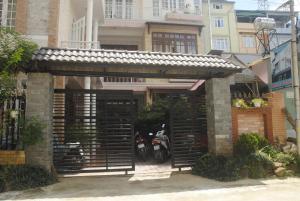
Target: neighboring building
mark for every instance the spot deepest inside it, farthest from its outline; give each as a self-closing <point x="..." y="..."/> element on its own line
<point x="247" y="33"/>
<point x="220" y="31"/>
<point x="183" y="26"/>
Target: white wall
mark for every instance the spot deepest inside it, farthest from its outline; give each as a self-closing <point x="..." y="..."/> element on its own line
<point x="66" y="17"/>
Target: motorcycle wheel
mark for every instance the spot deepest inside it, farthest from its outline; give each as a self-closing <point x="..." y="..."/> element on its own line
<point x="142" y="154"/>
<point x="160" y="156"/>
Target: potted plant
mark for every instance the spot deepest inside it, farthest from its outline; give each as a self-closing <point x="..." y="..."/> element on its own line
<point x="241" y="103"/>
<point x="258" y="102"/>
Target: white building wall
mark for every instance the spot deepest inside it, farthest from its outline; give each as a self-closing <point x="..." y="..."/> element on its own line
<point x="66" y="13"/>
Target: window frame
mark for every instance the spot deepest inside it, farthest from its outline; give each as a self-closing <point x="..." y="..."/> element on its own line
<point x="247" y="43"/>
<point x="217" y="6"/>
<point x="219" y="22"/>
<point x="112" y="9"/>
<point x="166" y="41"/>
<point x="226" y="44"/>
<point x="8" y="13"/>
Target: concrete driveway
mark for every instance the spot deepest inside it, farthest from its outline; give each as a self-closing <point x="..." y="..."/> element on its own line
<point x="163" y="186"/>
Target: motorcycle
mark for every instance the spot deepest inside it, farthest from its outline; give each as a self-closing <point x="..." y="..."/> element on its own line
<point x="74" y="155"/>
<point x="141" y="147"/>
<point x="161" y="146"/>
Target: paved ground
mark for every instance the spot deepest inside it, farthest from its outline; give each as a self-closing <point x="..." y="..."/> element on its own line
<point x="161" y="186"/>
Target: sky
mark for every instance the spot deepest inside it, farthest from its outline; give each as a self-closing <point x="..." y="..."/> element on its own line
<point x="252" y="4"/>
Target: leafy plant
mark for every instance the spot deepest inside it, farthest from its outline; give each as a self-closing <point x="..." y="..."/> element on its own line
<point x="240" y="103"/>
<point x="217" y="167"/>
<point x="285" y="158"/>
<point x="31" y="132"/>
<point x="22" y="177"/>
<point x="15" y="51"/>
<point x="248" y="144"/>
<point x="258" y="102"/>
<point x="7" y="86"/>
<point x="259" y="165"/>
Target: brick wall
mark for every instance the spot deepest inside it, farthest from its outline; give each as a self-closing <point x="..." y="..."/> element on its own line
<point x="12" y="157"/>
<point x="268" y="121"/>
<point x="21" y="16"/>
<point x="276" y="101"/>
<point x="251" y="122"/>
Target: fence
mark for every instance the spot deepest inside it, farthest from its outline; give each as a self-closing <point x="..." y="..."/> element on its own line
<point x="12" y="112"/>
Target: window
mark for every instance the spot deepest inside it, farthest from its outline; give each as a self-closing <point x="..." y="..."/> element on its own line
<point x="119" y="9"/>
<point x="220" y="44"/>
<point x="129" y="9"/>
<point x="8" y="13"/>
<point x="155" y="8"/>
<point x="219" y="22"/>
<point x="248" y="41"/>
<point x="174" y="42"/>
<point x="198" y="6"/>
<point x="108" y="8"/>
<point x="217" y="6"/>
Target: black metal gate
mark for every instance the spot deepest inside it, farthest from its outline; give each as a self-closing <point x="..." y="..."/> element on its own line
<point x="12" y="114"/>
<point x="188" y="129"/>
<point x="93" y="130"/>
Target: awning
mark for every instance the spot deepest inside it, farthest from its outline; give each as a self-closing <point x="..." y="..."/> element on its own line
<point x="87" y="62"/>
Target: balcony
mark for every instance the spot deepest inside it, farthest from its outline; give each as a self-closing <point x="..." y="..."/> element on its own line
<point x="181" y="16"/>
<point x="80" y="45"/>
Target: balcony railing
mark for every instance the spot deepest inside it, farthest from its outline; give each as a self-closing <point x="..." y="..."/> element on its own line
<point x="80" y="45"/>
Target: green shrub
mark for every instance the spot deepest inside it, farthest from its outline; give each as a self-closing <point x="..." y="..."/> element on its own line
<point x="32" y="131"/>
<point x="298" y="164"/>
<point x="248" y="144"/>
<point x="217" y="167"/>
<point x="285" y="158"/>
<point x="21" y="177"/>
<point x="259" y="165"/>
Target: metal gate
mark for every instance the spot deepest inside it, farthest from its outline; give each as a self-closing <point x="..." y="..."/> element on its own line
<point x="188" y="129"/>
<point x="93" y="130"/>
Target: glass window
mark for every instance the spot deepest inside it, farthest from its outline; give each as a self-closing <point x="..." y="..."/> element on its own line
<point x="198" y="7"/>
<point x="220" y="44"/>
<point x="8" y="13"/>
<point x="217" y="6"/>
<point x="108" y="9"/>
<point x="249" y="41"/>
<point x="129" y="9"/>
<point x="219" y="22"/>
<point x="118" y="9"/>
<point x="174" y="42"/>
<point x="181" y="5"/>
<point x="165" y="4"/>
<point x="155" y="8"/>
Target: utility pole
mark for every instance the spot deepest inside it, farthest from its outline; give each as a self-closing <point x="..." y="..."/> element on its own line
<point x="295" y="73"/>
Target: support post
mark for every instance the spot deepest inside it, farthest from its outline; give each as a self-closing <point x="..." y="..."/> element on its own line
<point x="295" y="73"/>
<point x="219" y="122"/>
<point x="89" y="22"/>
<point x="95" y="35"/>
<point x="39" y="104"/>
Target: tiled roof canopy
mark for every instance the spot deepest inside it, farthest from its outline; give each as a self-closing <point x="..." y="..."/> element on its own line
<point x="105" y="58"/>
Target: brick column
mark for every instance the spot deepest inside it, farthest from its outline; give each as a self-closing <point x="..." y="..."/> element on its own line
<point x="219" y="122"/>
<point x="39" y="103"/>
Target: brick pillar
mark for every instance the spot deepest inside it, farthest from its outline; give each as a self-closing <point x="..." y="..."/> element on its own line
<point x="39" y="103"/>
<point x="219" y="122"/>
<point x="276" y="101"/>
